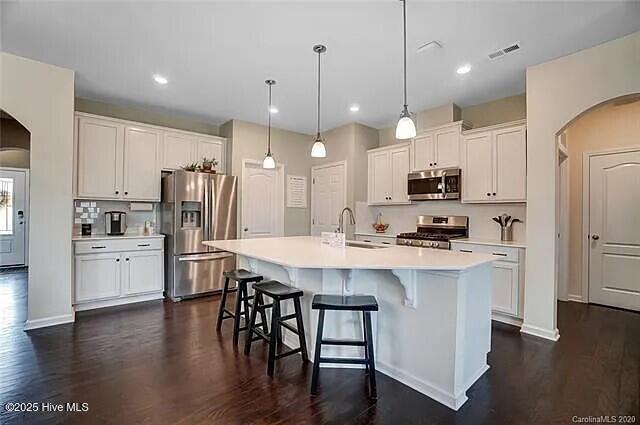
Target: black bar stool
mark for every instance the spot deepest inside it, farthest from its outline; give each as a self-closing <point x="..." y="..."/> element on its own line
<point x="364" y="303"/>
<point x="277" y="292"/>
<point x="242" y="277"/>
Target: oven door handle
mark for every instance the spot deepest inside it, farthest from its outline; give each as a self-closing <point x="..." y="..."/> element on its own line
<point x="443" y="183"/>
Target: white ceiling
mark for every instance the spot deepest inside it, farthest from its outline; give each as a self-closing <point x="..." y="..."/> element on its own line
<point x="217" y="55"/>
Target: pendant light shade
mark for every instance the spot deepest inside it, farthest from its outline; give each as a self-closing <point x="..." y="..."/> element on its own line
<point x="406" y="128"/>
<point x="318" y="149"/>
<point x="269" y="162"/>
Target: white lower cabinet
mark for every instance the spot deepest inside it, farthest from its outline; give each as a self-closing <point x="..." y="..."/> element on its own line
<point x="507" y="295"/>
<point x="117" y="271"/>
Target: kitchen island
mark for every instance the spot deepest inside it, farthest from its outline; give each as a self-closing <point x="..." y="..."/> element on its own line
<point x="433" y="329"/>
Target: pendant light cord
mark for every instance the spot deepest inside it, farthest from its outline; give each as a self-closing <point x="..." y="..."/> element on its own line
<point x="269" y="133"/>
<point x="318" y="128"/>
<point x="404" y="36"/>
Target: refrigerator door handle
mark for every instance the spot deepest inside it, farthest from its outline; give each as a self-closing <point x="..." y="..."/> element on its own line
<point x="206" y="214"/>
<point x="206" y="257"/>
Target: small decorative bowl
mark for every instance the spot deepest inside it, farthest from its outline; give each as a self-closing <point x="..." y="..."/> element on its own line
<point x="380" y="227"/>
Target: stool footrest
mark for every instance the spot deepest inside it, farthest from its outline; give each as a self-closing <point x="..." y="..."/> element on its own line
<point x="288" y="353"/>
<point x="264" y="306"/>
<point x="349" y="342"/>
<point x="288" y="317"/>
<point x="343" y="360"/>
<point x="261" y="335"/>
<point x="289" y="327"/>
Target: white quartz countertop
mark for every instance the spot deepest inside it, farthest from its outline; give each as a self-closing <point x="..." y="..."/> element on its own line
<point x="125" y="236"/>
<point x="376" y="235"/>
<point x="307" y="252"/>
<point x="492" y="242"/>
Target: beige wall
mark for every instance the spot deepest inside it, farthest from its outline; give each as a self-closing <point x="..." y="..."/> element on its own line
<point x="293" y="150"/>
<point x="14" y="143"/>
<point x="40" y="97"/>
<point x="557" y="92"/>
<point x="499" y="111"/>
<point x="145" y="115"/>
<point x="607" y="127"/>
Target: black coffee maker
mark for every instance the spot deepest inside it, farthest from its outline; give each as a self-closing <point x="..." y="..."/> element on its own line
<point x="115" y="222"/>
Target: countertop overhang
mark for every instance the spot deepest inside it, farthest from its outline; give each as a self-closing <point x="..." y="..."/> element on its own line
<point x="307" y="252"/>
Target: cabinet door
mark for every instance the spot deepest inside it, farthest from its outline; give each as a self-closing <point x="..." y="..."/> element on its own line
<point x="141" y="170"/>
<point x="97" y="276"/>
<point x="423" y="152"/>
<point x="142" y="272"/>
<point x="447" y="148"/>
<point x="178" y="150"/>
<point x="399" y="171"/>
<point x="510" y="159"/>
<point x="212" y="148"/>
<point x="505" y="287"/>
<point x="380" y="185"/>
<point x="99" y="157"/>
<point x="477" y="172"/>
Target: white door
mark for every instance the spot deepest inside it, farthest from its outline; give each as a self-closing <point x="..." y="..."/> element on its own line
<point x="447" y="148"/>
<point x="399" y="172"/>
<point x="614" y="229"/>
<point x="262" y="201"/>
<point x="510" y="159"/>
<point x="13" y="216"/>
<point x="178" y="150"/>
<point x="141" y="171"/>
<point x="97" y="276"/>
<point x="380" y="185"/>
<point x="477" y="172"/>
<point x="142" y="272"/>
<point x="99" y="158"/>
<point x="423" y="152"/>
<point x="328" y="196"/>
<point x="211" y="148"/>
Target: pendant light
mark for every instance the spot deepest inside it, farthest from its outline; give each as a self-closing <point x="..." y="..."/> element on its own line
<point x="268" y="161"/>
<point x="318" y="150"/>
<point x="406" y="128"/>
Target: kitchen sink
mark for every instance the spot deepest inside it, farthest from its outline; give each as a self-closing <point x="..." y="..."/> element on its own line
<point x="364" y="245"/>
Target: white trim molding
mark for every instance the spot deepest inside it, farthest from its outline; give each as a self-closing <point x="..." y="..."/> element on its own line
<point x="550" y="334"/>
<point x="48" y="321"/>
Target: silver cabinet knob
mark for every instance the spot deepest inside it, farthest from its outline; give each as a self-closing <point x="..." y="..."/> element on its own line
<point x="595" y="237"/>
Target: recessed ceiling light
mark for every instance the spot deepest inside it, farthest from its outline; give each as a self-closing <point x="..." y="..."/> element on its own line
<point x="160" y="79"/>
<point x="354" y="108"/>
<point x="273" y="109"/>
<point x="464" y="69"/>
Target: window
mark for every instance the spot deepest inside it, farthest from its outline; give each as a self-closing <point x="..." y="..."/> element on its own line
<point x="6" y="206"/>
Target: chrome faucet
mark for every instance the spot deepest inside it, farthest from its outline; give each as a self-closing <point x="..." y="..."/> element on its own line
<point x="341" y="218"/>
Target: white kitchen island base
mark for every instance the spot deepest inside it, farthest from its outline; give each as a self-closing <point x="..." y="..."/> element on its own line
<point x="433" y="328"/>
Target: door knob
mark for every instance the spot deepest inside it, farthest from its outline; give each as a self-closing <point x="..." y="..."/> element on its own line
<point x="595" y="237"/>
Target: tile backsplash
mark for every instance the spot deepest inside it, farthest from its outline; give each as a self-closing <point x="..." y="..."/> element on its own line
<point x="135" y="219"/>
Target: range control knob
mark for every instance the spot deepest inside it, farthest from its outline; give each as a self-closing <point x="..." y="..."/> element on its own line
<point x="407" y="242"/>
<point x="434" y="244"/>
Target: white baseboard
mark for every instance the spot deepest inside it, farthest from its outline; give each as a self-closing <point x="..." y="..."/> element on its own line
<point x="48" y="321"/>
<point x="550" y="334"/>
<point x="505" y="318"/>
<point x="575" y="298"/>
<point x="119" y="301"/>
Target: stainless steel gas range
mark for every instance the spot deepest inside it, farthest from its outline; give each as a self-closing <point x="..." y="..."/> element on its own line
<point x="435" y="231"/>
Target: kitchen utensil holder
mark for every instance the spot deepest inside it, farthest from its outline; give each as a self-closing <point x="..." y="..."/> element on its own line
<point x="506" y="233"/>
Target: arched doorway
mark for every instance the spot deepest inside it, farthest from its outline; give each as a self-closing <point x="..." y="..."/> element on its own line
<point x="15" y="144"/>
<point x="599" y="205"/>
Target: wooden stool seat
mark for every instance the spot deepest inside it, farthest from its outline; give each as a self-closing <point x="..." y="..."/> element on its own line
<point x="242" y="278"/>
<point x="276" y="290"/>
<point x="340" y="302"/>
<point x="242" y="274"/>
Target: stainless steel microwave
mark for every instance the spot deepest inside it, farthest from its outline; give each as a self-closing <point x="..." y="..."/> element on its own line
<point x="434" y="184"/>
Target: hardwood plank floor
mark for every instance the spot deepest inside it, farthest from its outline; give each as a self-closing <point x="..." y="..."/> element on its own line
<point x="164" y="363"/>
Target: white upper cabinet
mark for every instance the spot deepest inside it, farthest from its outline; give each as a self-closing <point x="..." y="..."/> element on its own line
<point x="494" y="164"/>
<point x="141" y="169"/>
<point x="178" y="150"/>
<point x="99" y="158"/>
<point x="117" y="159"/>
<point x="388" y="169"/>
<point x="437" y="147"/>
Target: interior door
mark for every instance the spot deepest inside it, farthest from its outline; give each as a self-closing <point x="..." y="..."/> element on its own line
<point x="447" y="148"/>
<point x="141" y="171"/>
<point x="614" y="229"/>
<point x="477" y="172"/>
<point x="423" y="152"/>
<point x="329" y="197"/>
<point x="262" y="202"/>
<point x="12" y="217"/>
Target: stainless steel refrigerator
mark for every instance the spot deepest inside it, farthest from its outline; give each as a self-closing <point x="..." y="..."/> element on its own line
<point x="196" y="207"/>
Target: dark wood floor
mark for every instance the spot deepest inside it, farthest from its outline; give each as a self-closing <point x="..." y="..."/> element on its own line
<point x="164" y="363"/>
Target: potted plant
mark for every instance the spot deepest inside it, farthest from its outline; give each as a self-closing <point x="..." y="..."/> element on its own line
<point x="191" y="166"/>
<point x="209" y="164"/>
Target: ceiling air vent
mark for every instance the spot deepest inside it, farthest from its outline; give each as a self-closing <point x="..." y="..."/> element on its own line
<point x="501" y="52"/>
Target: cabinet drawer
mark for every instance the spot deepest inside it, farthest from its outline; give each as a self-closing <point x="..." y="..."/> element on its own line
<point x="116" y="245"/>
<point x="503" y="253"/>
